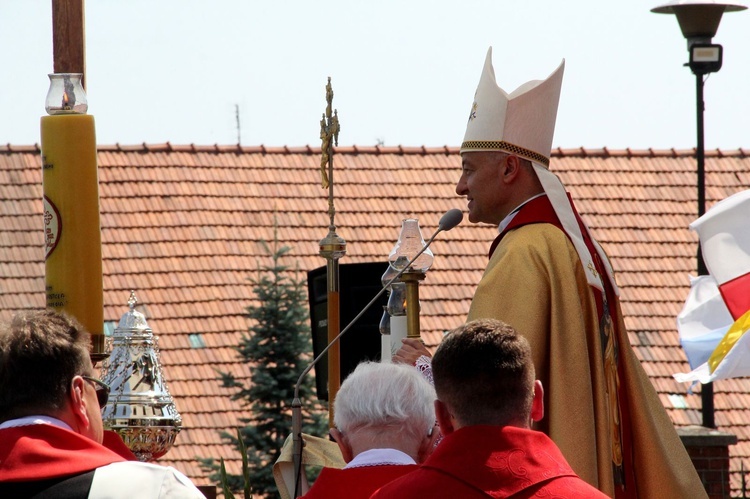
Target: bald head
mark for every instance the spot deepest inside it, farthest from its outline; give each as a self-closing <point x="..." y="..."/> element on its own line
<point x="495" y="183"/>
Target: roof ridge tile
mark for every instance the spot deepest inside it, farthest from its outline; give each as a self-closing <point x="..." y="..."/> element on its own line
<point x="380" y="150"/>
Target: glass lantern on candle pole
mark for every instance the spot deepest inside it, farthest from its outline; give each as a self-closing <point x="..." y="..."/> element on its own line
<point x="66" y="94"/>
<point x="410" y="243"/>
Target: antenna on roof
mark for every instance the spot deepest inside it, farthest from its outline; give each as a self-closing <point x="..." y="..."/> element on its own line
<point x="237" y="118"/>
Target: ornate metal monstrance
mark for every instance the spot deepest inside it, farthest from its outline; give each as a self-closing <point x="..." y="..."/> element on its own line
<point x="140" y="408"/>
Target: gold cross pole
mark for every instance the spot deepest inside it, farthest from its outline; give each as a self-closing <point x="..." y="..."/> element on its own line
<point x="332" y="247"/>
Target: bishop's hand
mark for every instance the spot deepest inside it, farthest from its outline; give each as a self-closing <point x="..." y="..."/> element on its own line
<point x="411" y="349"/>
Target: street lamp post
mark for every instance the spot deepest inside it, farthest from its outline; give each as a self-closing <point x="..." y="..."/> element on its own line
<point x="699" y="21"/>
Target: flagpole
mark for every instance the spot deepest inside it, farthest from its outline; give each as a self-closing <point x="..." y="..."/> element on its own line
<point x="332" y="247"/>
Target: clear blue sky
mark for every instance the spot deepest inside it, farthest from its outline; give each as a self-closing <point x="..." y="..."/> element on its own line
<point x="403" y="71"/>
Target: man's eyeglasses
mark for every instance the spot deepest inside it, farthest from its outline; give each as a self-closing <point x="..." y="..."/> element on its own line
<point x="102" y="390"/>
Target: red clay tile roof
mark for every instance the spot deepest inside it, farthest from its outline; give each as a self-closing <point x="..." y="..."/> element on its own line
<point x="181" y="225"/>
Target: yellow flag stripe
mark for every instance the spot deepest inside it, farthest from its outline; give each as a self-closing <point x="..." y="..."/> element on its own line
<point x="735" y="332"/>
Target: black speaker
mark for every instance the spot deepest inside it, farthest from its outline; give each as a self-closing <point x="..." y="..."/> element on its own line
<point x="358" y="285"/>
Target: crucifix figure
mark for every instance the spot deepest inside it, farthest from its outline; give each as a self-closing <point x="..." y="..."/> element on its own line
<point x="329" y="135"/>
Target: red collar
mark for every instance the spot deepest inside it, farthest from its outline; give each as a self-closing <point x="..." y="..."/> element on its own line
<point x="481" y="456"/>
<point x="538" y="210"/>
<point x="41" y="451"/>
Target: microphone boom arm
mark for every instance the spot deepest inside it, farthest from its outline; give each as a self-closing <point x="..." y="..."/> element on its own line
<point x="447" y="222"/>
<point x="359" y="315"/>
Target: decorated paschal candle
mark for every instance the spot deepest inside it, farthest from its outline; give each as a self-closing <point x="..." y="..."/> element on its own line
<point x="72" y="233"/>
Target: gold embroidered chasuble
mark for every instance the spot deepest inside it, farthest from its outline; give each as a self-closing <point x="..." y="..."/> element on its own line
<point x="535" y="282"/>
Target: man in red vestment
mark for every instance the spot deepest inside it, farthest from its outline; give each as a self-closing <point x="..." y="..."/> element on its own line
<point x="487" y="399"/>
<point x="384" y="419"/>
<point x="51" y="432"/>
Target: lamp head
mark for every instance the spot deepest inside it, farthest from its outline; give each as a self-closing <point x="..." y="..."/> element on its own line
<point x="699" y="20"/>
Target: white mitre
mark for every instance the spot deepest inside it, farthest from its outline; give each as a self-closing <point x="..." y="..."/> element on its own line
<point x="523" y="123"/>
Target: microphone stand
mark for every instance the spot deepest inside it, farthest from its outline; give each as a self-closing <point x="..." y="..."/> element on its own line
<point x="297" y="442"/>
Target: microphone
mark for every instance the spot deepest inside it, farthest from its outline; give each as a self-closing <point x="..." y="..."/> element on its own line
<point x="449" y="220"/>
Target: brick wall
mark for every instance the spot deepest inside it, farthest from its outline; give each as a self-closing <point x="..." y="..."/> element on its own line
<point x="709" y="450"/>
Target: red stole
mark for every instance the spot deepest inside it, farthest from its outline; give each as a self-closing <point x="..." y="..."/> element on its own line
<point x="540" y="210"/>
<point x="353" y="483"/>
<point x="42" y="451"/>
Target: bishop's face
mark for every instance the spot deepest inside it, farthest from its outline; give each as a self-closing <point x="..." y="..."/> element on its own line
<point x="481" y="183"/>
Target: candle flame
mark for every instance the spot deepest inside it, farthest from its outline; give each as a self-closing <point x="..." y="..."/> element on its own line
<point x="69" y="95"/>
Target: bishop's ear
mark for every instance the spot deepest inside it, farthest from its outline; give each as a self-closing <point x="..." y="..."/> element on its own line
<point x="510" y="167"/>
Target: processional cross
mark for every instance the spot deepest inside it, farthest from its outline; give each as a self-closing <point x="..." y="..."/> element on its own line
<point x="332" y="247"/>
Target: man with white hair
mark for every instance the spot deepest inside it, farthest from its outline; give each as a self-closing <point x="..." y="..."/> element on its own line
<point x="384" y="419"/>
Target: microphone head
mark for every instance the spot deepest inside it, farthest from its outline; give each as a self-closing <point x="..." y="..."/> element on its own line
<point x="450" y="219"/>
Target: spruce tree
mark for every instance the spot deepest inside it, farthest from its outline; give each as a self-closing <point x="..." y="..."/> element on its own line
<point x="276" y="350"/>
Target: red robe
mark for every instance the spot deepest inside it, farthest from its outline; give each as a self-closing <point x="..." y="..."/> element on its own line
<point x="355" y="483"/>
<point x="492" y="461"/>
<point x="42" y="451"/>
<point x="50" y="461"/>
